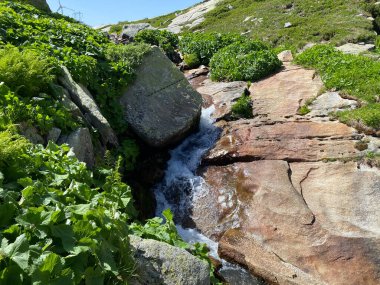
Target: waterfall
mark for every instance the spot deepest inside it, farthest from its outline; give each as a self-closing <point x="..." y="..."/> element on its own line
<point x="181" y="186"/>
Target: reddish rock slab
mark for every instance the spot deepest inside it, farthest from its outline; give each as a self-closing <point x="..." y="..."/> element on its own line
<point x="223" y="94"/>
<point x="344" y="197"/>
<point x="290" y="141"/>
<point x="280" y="96"/>
<point x="266" y="224"/>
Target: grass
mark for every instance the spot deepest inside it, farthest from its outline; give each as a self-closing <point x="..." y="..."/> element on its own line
<point x="333" y="21"/>
<point x="354" y="75"/>
<point x="242" y="108"/>
<point x="157" y="22"/>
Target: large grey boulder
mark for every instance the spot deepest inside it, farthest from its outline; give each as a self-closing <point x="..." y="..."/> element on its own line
<point x="81" y="143"/>
<point x="86" y="103"/>
<point x="131" y="30"/>
<point x="163" y="264"/>
<point x="160" y="105"/>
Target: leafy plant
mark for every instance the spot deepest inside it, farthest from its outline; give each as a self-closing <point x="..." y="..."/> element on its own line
<point x="191" y="60"/>
<point x="59" y="224"/>
<point x="251" y="60"/>
<point x="242" y="108"/>
<point x="166" y="40"/>
<point x="357" y="76"/>
<point x="26" y="72"/>
<point x="205" y="45"/>
<point x="43" y="111"/>
<point x="166" y="232"/>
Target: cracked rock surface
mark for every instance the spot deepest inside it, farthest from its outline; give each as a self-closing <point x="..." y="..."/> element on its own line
<point x="286" y="196"/>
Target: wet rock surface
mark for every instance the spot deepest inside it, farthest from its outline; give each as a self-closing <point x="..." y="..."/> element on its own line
<point x="285" y="195"/>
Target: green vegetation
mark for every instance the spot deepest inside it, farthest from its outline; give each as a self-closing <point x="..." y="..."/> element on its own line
<point x="335" y="21"/>
<point x="87" y="53"/>
<point x="61" y="223"/>
<point x="157" y="22"/>
<point x="167" y="41"/>
<point x="357" y="76"/>
<point x="243" y="61"/>
<point x="25" y="71"/>
<point x="242" y="108"/>
<point x="202" y="46"/>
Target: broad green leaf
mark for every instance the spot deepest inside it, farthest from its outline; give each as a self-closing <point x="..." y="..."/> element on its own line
<point x="7" y="213"/>
<point x="19" y="252"/>
<point x="66" y="234"/>
<point x="52" y="262"/>
<point x="94" y="276"/>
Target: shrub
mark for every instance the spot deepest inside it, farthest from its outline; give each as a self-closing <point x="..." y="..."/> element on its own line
<point x="354" y="75"/>
<point x="205" y="45"/>
<point x="192" y="60"/>
<point x="166" y="40"/>
<point x="43" y="112"/>
<point x="26" y="72"/>
<point x="251" y="60"/>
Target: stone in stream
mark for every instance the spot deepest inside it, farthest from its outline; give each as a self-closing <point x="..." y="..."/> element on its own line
<point x="160" y="105"/>
<point x="290" y="141"/>
<point x="285" y="196"/>
<point x="161" y="263"/>
<point x="303" y="223"/>
<point x="223" y="96"/>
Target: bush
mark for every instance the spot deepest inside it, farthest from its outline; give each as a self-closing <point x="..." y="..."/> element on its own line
<point x="355" y="75"/>
<point x="166" y="40"/>
<point x="205" y="45"/>
<point x="251" y="60"/>
<point x="26" y="72"/>
<point x="192" y="60"/>
<point x="43" y="112"/>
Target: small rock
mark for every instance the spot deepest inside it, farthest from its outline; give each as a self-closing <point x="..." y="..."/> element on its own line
<point x="161" y="263"/>
<point x="285" y="56"/>
<point x="287" y="25"/>
<point x="371" y="19"/>
<point x="81" y="143"/>
<point x="330" y="102"/>
<point x="230" y="7"/>
<point x="247" y="18"/>
<point x="54" y="134"/>
<point x="351" y="48"/>
<point x="31" y="133"/>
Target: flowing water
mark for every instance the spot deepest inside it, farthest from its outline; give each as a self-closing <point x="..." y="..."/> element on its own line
<point x="181" y="186"/>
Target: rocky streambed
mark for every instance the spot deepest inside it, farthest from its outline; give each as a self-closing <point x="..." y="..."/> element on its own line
<point x="284" y="195"/>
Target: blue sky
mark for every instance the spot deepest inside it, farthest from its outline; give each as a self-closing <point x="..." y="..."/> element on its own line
<point x="98" y="12"/>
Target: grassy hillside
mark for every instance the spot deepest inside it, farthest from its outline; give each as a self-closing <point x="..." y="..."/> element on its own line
<point x="335" y="21"/>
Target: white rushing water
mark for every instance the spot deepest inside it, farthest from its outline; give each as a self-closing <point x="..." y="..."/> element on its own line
<point x="181" y="185"/>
